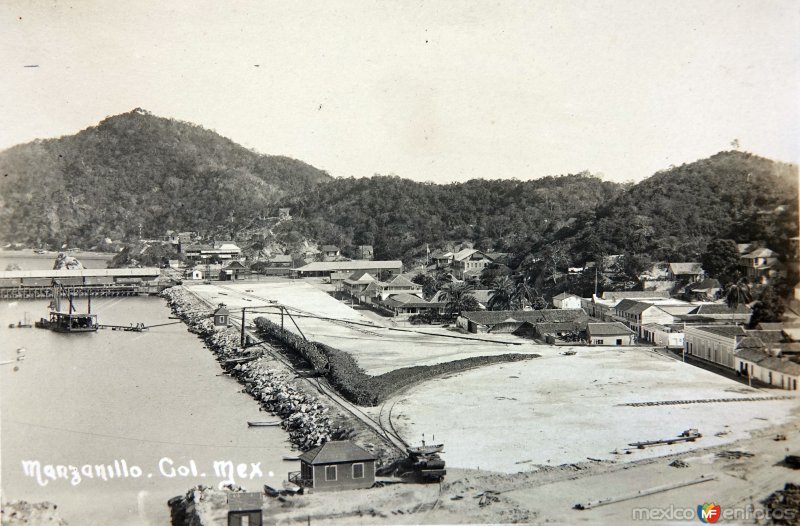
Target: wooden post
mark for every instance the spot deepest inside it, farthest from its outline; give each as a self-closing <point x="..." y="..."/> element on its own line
<point x="242" y="342"/>
<point x="281" y="317"/>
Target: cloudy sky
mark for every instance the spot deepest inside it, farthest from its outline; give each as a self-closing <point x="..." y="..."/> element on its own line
<point x="429" y="90"/>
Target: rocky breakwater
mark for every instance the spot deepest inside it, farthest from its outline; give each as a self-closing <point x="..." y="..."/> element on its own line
<point x="304" y="416"/>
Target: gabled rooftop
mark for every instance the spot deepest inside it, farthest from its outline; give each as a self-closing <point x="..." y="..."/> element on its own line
<point x="692" y="268"/>
<point x="490" y="318"/>
<point x="614" y="328"/>
<point x="728" y="331"/>
<point x="335" y="452"/>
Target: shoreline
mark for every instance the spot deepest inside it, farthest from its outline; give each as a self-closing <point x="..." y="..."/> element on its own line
<point x="309" y="420"/>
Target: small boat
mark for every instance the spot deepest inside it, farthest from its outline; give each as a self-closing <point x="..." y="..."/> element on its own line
<point x="290" y="458"/>
<point x="264" y="424"/>
<point x="425" y="449"/>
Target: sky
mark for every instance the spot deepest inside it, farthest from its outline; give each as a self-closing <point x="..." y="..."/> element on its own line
<point x="434" y="90"/>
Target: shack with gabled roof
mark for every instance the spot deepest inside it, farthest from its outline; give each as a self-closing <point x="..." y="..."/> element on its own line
<point x="335" y="465"/>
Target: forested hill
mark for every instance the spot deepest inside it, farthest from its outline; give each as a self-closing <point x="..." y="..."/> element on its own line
<point x="669" y="216"/>
<point x="400" y="217"/>
<point x="137" y="168"/>
<point x="673" y="214"/>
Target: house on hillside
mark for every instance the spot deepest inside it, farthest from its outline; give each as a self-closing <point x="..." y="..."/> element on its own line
<point x="708" y="288"/>
<point x="216" y="253"/>
<point x="469" y="259"/>
<point x="442" y="259"/>
<point x="690" y="272"/>
<point x="566" y="301"/>
<point x="279" y="265"/>
<point x="335" y="465"/>
<point x="609" y="333"/>
<point x="760" y="265"/>
<point x="330" y="252"/>
<point x="713" y="343"/>
<point x="365" y="252"/>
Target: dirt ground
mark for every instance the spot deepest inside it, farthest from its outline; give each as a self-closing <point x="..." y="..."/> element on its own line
<point x="376" y="349"/>
<point x="549" y="495"/>
<point x="560" y="409"/>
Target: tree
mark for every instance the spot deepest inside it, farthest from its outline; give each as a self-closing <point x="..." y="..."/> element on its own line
<point x="503" y="295"/>
<point x="458" y="297"/>
<point x="428" y="284"/>
<point x="737" y="294"/>
<point x="721" y="260"/>
<point x="768" y="308"/>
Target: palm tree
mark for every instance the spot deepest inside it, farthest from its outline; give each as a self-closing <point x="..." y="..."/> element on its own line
<point x="458" y="297"/>
<point x="503" y="295"/>
<point x="738" y="293"/>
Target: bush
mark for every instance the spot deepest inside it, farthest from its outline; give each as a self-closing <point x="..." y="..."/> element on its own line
<point x="350" y="380"/>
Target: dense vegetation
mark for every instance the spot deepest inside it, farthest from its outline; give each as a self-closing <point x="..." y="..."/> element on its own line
<point x="138" y="169"/>
<point x="568" y="220"/>
<point x="399" y="217"/>
<point x="343" y="373"/>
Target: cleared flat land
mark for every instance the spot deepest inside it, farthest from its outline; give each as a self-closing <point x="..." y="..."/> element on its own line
<point x="518" y="417"/>
<point x="376" y="349"/>
<point x="562" y="409"/>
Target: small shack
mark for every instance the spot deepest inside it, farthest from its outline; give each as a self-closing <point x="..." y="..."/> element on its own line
<point x="335" y="465"/>
<point x="221" y="316"/>
<point x="245" y="509"/>
<point x="611" y="333"/>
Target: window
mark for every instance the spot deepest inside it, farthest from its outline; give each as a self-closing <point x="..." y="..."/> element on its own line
<point x="330" y="472"/>
<point x="599" y="342"/>
<point x="358" y="471"/>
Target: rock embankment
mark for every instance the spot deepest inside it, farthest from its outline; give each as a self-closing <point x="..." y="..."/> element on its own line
<point x="20" y="512"/>
<point x="302" y="415"/>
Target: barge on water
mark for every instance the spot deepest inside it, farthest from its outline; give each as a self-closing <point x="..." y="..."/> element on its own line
<point x="71" y="321"/>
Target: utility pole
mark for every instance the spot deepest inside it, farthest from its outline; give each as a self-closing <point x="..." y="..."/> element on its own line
<point x="242" y="338"/>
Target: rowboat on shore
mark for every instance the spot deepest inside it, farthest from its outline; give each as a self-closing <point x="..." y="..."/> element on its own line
<point x="290" y="458"/>
<point x="272" y="423"/>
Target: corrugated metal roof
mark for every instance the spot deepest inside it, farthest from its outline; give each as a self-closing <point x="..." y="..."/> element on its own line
<point x="332" y="266"/>
<point x="336" y="451"/>
<point x="614" y="328"/>
<point x="405" y="300"/>
<point x="533" y="316"/>
<point x="85" y="272"/>
<point x="728" y="331"/>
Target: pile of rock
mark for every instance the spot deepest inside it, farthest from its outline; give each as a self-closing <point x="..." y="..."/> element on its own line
<point x="21" y="512"/>
<point x="302" y="415"/>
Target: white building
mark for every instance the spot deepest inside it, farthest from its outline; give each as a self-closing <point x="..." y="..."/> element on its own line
<point x="713" y="343"/>
<point x="566" y="301"/>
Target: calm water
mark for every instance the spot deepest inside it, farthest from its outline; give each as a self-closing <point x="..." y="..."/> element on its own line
<point x="94" y="398"/>
<point x="28" y="260"/>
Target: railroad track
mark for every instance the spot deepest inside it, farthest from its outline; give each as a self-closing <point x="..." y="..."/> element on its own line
<point x="326" y="390"/>
<point x="706" y="401"/>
